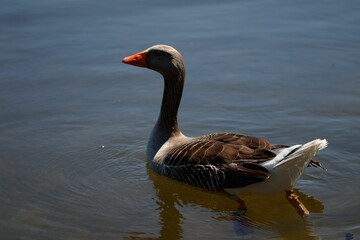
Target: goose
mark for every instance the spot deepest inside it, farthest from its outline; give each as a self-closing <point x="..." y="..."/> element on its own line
<point x="232" y="162"/>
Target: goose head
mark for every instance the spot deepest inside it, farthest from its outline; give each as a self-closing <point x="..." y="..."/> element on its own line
<point x="160" y="58"/>
<point x="168" y="62"/>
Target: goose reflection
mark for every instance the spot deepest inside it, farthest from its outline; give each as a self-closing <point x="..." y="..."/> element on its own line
<point x="271" y="214"/>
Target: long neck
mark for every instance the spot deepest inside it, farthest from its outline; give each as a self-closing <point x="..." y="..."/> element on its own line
<point x="174" y="83"/>
<point x="167" y="123"/>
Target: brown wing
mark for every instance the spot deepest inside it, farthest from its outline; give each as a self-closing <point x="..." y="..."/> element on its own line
<point x="240" y="139"/>
<point x="241" y="148"/>
<point x="234" y="156"/>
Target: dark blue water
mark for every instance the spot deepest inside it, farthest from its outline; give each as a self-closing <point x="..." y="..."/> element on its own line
<point x="74" y="120"/>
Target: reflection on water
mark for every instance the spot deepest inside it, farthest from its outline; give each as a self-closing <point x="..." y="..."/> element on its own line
<point x="286" y="71"/>
<point x="269" y="212"/>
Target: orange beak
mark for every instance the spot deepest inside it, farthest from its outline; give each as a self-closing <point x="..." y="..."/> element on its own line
<point x="138" y="59"/>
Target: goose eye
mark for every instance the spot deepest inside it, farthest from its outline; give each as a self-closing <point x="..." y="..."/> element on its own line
<point x="157" y="53"/>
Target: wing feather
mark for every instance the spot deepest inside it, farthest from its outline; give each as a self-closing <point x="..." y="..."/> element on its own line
<point x="222" y="160"/>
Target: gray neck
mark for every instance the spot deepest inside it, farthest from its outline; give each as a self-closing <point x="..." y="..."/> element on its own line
<point x="167" y="123"/>
<point x="170" y="103"/>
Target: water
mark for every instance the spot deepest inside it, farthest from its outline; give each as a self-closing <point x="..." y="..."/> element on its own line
<point x="74" y="120"/>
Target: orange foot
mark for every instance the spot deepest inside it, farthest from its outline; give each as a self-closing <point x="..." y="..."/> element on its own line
<point x="241" y="210"/>
<point x="297" y="204"/>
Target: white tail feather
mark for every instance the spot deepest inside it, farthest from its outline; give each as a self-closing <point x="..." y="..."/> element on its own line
<point x="285" y="169"/>
<point x="310" y="148"/>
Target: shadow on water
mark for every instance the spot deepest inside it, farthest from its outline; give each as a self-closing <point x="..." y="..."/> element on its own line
<point x="271" y="214"/>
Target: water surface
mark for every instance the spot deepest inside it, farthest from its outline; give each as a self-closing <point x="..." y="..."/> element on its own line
<point x="74" y="120"/>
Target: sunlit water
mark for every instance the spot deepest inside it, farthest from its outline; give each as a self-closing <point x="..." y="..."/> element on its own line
<point x="74" y="121"/>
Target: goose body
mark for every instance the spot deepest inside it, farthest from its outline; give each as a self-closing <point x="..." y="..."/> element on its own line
<point x="232" y="162"/>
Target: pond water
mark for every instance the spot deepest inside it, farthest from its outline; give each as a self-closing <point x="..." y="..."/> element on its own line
<point x="74" y="120"/>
